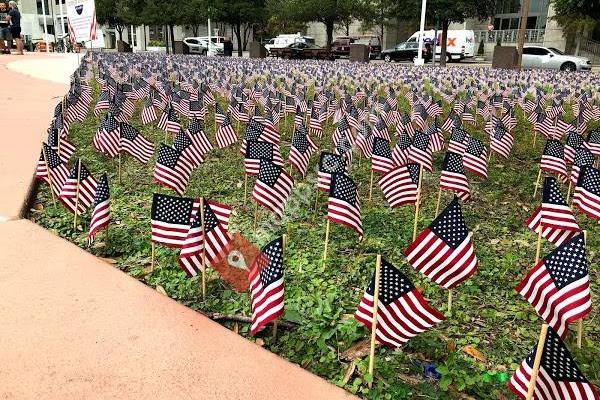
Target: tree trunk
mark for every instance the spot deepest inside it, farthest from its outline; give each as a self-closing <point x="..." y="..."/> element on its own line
<point x="237" y="30"/>
<point x="247" y="32"/>
<point x="444" y="43"/>
<point x="172" y="38"/>
<point x="166" y="39"/>
<point x="329" y="32"/>
<point x="119" y="29"/>
<point x="347" y="28"/>
<point x="195" y="30"/>
<point x="580" y="33"/>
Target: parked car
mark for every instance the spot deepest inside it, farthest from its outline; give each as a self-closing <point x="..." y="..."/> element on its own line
<point x="406" y="51"/>
<point x="199" y="45"/>
<point x="301" y="50"/>
<point x="340" y="47"/>
<point x="460" y="43"/>
<point x="551" y="58"/>
<point x="285" y="40"/>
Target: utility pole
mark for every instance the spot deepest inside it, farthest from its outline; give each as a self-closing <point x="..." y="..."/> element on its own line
<point x="419" y="60"/>
<point x="522" y="28"/>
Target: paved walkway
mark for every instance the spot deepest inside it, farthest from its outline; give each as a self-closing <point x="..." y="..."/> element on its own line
<point x="74" y="327"/>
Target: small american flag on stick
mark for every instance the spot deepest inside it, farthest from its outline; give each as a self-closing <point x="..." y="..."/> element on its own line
<point x="273" y="187"/>
<point x="587" y="192"/>
<point x="343" y="206"/>
<point x="101" y="208"/>
<point x="400" y="185"/>
<point x="171" y="219"/>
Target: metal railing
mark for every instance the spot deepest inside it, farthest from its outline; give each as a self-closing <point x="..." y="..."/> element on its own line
<point x="591" y="49"/>
<point x="509" y="36"/>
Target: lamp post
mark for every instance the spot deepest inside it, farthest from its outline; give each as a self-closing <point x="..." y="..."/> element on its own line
<point x="419" y="60"/>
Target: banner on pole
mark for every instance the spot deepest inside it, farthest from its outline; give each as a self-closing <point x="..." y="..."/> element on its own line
<point x="83" y="27"/>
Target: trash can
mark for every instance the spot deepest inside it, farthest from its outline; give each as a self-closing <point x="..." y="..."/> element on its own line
<point x="228" y="48"/>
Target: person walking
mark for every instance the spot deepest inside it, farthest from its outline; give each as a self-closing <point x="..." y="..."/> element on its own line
<point x="4" y="29"/>
<point x="14" y="18"/>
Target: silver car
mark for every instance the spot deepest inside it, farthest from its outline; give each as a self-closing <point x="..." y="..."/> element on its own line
<point x="551" y="58"/>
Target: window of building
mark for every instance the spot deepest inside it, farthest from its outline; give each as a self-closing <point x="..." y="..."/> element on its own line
<point x="156" y="33"/>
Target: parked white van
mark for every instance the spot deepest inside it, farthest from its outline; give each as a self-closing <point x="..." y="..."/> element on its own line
<point x="285" y="40"/>
<point x="460" y="43"/>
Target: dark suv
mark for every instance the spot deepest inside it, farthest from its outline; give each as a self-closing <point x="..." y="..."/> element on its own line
<point x="341" y="46"/>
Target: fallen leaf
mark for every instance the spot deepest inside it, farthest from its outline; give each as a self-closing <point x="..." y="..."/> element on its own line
<point x="236" y="327"/>
<point x="349" y="372"/>
<point x="108" y="260"/>
<point x="357" y="350"/>
<point x="472" y="351"/>
<point x="161" y="290"/>
<point x="411" y="380"/>
<point x="260" y="342"/>
<point x="39" y="207"/>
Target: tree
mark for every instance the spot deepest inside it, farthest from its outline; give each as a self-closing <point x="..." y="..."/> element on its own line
<point x="577" y="17"/>
<point x="107" y="14"/>
<point x="446" y="11"/>
<point x="378" y="13"/>
<point x="195" y="14"/>
<point x="242" y="15"/>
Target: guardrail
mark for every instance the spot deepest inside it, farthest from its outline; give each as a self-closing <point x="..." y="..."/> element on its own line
<point x="509" y="36"/>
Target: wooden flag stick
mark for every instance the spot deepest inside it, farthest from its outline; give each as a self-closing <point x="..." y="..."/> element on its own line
<point x="152" y="257"/>
<point x="49" y="175"/>
<point x="245" y="188"/>
<point x="371" y="186"/>
<point x="536" y="363"/>
<point x="119" y="168"/>
<point x="203" y="248"/>
<point x="77" y="194"/>
<point x="569" y="190"/>
<point x="539" y="245"/>
<point x="374" y="319"/>
<point x="439" y="199"/>
<point x="534" y="137"/>
<point x="449" y="300"/>
<point x="418" y="203"/>
<point x="326" y="240"/>
<point x="537" y="183"/>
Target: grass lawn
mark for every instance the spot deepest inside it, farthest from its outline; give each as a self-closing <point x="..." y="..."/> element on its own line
<point x="488" y="318"/>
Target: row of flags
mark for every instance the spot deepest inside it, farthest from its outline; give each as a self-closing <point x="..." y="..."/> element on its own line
<point x="443" y="252"/>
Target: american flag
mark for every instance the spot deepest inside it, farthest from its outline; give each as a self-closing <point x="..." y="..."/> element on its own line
<point x="101" y="208"/>
<point x="420" y="151"/>
<point x="302" y="149"/>
<point x="381" y="159"/>
<point x="444" y="251"/>
<point x="102" y="103"/>
<point x="593" y="141"/>
<point x="87" y="189"/>
<point x="402" y="148"/>
<point x="574" y="142"/>
<point x="343" y="147"/>
<point x="583" y="157"/>
<point x="402" y="311"/>
<point x="219" y="114"/>
<point x="191" y="150"/>
<point x="558" y="287"/>
<point x="380" y="130"/>
<point x="196" y="110"/>
<point x="172" y="169"/>
<point x="52" y="169"/>
<point x="273" y="187"/>
<point x="453" y="176"/>
<point x="266" y="285"/>
<point x="558" y="374"/>
<point x="419" y="116"/>
<point x="61" y="145"/>
<point x="436" y="139"/>
<point x="108" y="138"/>
<point x="225" y="135"/>
<point x="171" y="219"/>
<point x="216" y="223"/>
<point x="587" y="192"/>
<point x="298" y="116"/>
<point x="342" y="131"/>
<point x="329" y="164"/>
<point x="315" y="123"/>
<point x="501" y="141"/>
<point x="400" y="185"/>
<point x="554" y="215"/>
<point x="134" y="143"/>
<point x="458" y="141"/>
<point x="475" y="157"/>
<point x="148" y="114"/>
<point x="256" y="130"/>
<point x="553" y="159"/>
<point x="451" y="122"/>
<point x="196" y="133"/>
<point x="343" y="205"/>
<point x="256" y="151"/>
<point x="364" y="139"/>
<point x="169" y="121"/>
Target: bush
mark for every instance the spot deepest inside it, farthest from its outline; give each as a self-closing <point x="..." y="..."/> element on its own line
<point x="156" y="43"/>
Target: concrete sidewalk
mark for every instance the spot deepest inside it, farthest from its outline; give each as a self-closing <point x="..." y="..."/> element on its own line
<point x="74" y="327"/>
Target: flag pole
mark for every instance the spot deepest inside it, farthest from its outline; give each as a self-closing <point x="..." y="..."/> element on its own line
<point x="77" y="194"/>
<point x="371" y="185"/>
<point x="283" y="243"/>
<point x="449" y="300"/>
<point x="536" y="363"/>
<point x="374" y="319"/>
<point x="152" y="256"/>
<point x="418" y="203"/>
<point x="49" y="175"/>
<point x="326" y="240"/>
<point x="439" y="198"/>
<point x="203" y="248"/>
<point x="539" y="244"/>
<point x="537" y="183"/>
